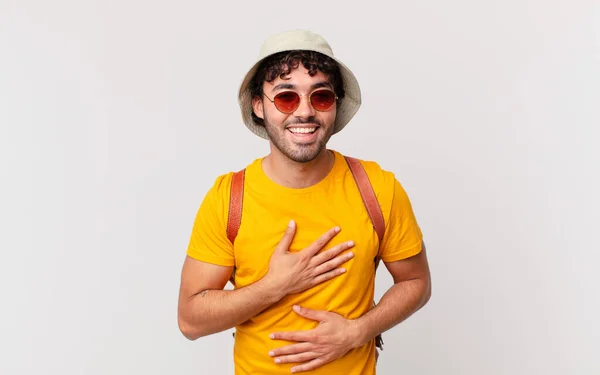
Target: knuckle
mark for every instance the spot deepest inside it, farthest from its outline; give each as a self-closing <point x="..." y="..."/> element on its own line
<point x="328" y="275"/>
<point x="340" y="261"/>
<point x="324" y="268"/>
<point x="319" y="270"/>
<point x="334" y="252"/>
<point x="335" y="262"/>
<point x="339" y="248"/>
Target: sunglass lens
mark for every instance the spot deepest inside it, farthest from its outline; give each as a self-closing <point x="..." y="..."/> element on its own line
<point x="287" y="102"/>
<point x="322" y="100"/>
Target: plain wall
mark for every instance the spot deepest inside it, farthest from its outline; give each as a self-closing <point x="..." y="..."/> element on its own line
<point x="116" y="117"/>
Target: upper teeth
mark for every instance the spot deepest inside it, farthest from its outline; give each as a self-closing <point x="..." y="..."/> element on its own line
<point x="302" y="130"/>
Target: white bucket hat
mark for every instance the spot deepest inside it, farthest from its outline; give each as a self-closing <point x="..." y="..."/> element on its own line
<point x="300" y="40"/>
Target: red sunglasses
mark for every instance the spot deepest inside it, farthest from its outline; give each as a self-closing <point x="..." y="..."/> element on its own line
<point x="288" y="101"/>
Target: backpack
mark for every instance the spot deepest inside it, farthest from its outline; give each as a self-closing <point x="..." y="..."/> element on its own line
<point x="236" y="197"/>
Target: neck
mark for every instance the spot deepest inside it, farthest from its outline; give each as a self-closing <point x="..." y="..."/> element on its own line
<point x="291" y="174"/>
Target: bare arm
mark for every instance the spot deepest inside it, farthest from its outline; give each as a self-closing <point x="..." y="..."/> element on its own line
<point x="205" y="308"/>
<point x="410" y="292"/>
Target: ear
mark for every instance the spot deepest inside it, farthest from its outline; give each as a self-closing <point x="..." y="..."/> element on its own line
<point x="257" y="106"/>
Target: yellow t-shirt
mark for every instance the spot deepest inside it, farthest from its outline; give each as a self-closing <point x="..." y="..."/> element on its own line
<point x="267" y="209"/>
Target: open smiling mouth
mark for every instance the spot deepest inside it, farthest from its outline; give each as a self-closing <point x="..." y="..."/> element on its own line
<point x="301" y="131"/>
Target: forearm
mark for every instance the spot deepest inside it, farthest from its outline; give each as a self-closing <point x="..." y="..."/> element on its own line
<point x="401" y="301"/>
<point x="213" y="311"/>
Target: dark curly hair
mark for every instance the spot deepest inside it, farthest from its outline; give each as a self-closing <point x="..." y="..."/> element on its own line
<point x="282" y="63"/>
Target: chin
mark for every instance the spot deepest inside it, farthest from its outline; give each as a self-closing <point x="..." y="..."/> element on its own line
<point x="303" y="153"/>
<point x="294" y="148"/>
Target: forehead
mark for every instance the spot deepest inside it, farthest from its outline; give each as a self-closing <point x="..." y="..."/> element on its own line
<point x="299" y="80"/>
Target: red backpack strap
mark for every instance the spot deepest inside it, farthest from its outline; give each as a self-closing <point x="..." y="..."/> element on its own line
<point x="234" y="216"/>
<point x="374" y="210"/>
<point x="236" y="198"/>
<point x="368" y="196"/>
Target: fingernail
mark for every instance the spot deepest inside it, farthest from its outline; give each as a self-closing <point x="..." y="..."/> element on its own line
<point x="291" y="223"/>
<point x="277" y="360"/>
<point x="342" y="270"/>
<point x="271" y="353"/>
<point x="350" y="243"/>
<point x="337" y="229"/>
<point x="350" y="255"/>
<point x="272" y="336"/>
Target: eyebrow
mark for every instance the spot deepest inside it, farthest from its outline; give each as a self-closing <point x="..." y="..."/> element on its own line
<point x="289" y="86"/>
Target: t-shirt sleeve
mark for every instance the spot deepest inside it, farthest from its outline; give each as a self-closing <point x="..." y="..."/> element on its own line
<point x="208" y="241"/>
<point x="402" y="238"/>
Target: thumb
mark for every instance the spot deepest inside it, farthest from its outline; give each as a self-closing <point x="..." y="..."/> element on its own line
<point x="317" y="315"/>
<point x="287" y="238"/>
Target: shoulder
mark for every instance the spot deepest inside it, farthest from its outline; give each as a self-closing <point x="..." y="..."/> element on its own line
<point x="384" y="182"/>
<point x="219" y="193"/>
<point x="380" y="178"/>
<point x="220" y="190"/>
<point x="221" y="185"/>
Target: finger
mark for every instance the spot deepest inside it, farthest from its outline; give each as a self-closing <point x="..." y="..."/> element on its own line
<point x="333" y="263"/>
<point x="328" y="275"/>
<point x="317" y="362"/>
<point x="288" y="236"/>
<point x="298" y="336"/>
<point x="302" y="357"/>
<point x="314" y="248"/>
<point x="331" y="253"/>
<point x="317" y="315"/>
<point x="292" y="349"/>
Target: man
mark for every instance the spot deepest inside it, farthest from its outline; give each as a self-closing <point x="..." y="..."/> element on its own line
<point x="303" y="257"/>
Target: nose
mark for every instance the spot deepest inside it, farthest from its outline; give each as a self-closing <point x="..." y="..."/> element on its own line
<point x="304" y="109"/>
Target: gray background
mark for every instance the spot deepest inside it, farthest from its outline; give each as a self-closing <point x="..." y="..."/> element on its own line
<point x="116" y="116"/>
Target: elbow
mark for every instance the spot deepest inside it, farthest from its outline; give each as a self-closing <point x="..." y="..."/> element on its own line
<point x="426" y="296"/>
<point x="189" y="331"/>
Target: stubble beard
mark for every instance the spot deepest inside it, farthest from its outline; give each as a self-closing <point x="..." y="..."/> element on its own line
<point x="299" y="153"/>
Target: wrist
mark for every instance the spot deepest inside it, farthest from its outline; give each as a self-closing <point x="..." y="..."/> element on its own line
<point x="358" y="333"/>
<point x="271" y="290"/>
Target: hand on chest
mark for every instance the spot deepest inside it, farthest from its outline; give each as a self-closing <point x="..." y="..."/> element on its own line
<point x="264" y="228"/>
